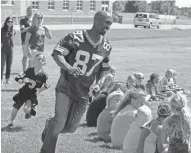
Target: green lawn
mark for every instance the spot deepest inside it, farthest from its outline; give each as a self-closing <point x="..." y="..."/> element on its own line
<point x="145" y="50"/>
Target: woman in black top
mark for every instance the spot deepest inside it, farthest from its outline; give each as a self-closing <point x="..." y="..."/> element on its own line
<point x="7" y="34"/>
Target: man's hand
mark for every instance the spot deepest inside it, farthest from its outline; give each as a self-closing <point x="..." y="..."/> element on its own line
<point x="96" y="88"/>
<point x="75" y="71"/>
<point x="26" y="80"/>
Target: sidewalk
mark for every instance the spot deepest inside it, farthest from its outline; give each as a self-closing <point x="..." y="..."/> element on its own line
<point x="113" y="26"/>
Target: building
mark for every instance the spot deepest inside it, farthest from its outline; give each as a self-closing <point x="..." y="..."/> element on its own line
<point x="55" y="8"/>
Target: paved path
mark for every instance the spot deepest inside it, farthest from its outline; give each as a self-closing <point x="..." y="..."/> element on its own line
<point x="114" y="26"/>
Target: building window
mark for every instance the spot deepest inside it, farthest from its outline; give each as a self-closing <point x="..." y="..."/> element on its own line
<point x="92" y="5"/>
<point x="105" y="2"/>
<point x="35" y="4"/>
<point x="7" y="2"/>
<point x="51" y="4"/>
<point x="65" y="5"/>
<point x="105" y="5"/>
<point x="79" y="5"/>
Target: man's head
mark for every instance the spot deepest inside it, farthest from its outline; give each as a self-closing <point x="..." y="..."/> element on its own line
<point x="29" y="11"/>
<point x="102" y="22"/>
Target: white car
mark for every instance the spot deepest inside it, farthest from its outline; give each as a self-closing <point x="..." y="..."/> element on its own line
<point x="146" y="20"/>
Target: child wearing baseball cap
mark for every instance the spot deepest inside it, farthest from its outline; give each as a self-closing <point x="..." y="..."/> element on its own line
<point x="150" y="139"/>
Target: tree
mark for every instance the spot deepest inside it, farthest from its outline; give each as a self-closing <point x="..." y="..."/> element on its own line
<point x="141" y="6"/>
<point x="167" y="7"/>
<point x="155" y="6"/>
<point x="130" y="7"/>
<point x="163" y="7"/>
<point x="118" y="6"/>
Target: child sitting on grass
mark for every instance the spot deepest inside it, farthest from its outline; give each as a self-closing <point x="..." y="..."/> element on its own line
<point x="139" y="77"/>
<point x="35" y="80"/>
<point x="150" y="139"/>
<point x="104" y="119"/>
<point x="151" y="88"/>
<point x="131" y="140"/>
<point x="177" y="127"/>
<point x="167" y="83"/>
<point x="124" y="115"/>
<point x="130" y="82"/>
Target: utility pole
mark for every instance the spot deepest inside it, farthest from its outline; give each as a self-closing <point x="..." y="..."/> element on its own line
<point x="71" y="15"/>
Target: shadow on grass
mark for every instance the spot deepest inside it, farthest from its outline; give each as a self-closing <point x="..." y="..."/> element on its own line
<point x="83" y="125"/>
<point x="9" y="90"/>
<point x="14" y="73"/>
<point x="12" y="129"/>
<point x="96" y="139"/>
<point x="92" y="134"/>
<point x="109" y="146"/>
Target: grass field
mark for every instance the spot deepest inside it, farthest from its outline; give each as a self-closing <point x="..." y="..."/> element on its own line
<point x="145" y="50"/>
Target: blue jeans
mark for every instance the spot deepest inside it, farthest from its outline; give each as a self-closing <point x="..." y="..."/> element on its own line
<point x="6" y="58"/>
<point x="68" y="114"/>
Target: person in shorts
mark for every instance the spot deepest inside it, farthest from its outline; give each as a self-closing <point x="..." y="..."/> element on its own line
<point x="25" y="23"/>
<point x="36" y="81"/>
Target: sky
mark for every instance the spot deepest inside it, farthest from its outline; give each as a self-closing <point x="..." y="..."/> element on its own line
<point x="181" y="3"/>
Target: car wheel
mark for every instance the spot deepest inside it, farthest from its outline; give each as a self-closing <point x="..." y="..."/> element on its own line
<point x="144" y="26"/>
<point x="135" y="26"/>
<point x="149" y="25"/>
<point x="158" y="27"/>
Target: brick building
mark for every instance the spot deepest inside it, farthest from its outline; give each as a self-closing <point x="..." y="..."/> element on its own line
<point x="76" y="8"/>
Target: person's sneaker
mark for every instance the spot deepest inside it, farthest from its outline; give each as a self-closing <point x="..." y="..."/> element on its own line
<point x="27" y="115"/>
<point x="10" y="125"/>
<point x="45" y="130"/>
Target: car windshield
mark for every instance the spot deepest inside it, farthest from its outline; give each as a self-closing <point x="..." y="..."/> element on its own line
<point x="141" y="15"/>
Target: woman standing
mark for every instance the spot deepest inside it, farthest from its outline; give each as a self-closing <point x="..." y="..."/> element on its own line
<point x="35" y="37"/>
<point x="7" y="34"/>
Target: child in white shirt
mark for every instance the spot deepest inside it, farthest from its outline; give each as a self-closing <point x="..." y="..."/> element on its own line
<point x="131" y="140"/>
<point x="105" y="120"/>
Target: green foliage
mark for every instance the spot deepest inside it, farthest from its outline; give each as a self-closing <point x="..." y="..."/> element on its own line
<point x="118" y="6"/>
<point x="161" y="7"/>
<point x="131" y="7"/>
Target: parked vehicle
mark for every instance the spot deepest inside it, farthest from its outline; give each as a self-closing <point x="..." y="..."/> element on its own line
<point x="146" y="20"/>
